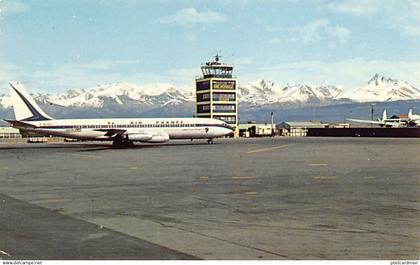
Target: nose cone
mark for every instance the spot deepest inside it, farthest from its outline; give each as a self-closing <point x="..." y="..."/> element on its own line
<point x="229" y="130"/>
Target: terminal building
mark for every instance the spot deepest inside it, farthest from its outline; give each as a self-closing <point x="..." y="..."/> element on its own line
<point x="298" y="128"/>
<point x="216" y="92"/>
<point x="252" y="129"/>
<point x="9" y="132"/>
<point x="13" y="135"/>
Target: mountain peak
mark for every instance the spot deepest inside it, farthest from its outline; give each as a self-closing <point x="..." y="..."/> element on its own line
<point x="374" y="79"/>
<point x="378" y="79"/>
<point x="382" y="89"/>
<point x="266" y="83"/>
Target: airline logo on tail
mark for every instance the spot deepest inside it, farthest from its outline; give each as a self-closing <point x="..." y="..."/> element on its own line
<point x="24" y="106"/>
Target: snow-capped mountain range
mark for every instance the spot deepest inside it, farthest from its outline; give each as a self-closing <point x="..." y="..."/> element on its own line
<point x="266" y="92"/>
<point x="119" y="93"/>
<point x="382" y="89"/>
<point x="378" y="89"/>
<point x="260" y="93"/>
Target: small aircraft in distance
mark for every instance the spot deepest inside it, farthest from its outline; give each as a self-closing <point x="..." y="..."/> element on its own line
<point x="410" y="121"/>
<point x="31" y="119"/>
<point x="413" y="119"/>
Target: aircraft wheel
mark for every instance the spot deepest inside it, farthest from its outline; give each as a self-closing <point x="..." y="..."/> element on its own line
<point x="210" y="141"/>
<point x="129" y="144"/>
<point x="118" y="142"/>
<point x="121" y="144"/>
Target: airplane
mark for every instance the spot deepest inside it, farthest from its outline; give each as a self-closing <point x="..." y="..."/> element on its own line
<point x="31" y="119"/>
<point x="412" y="120"/>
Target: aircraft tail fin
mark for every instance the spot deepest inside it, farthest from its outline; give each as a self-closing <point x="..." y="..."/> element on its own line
<point x="410" y="113"/>
<point x="25" y="108"/>
<point x="384" y="115"/>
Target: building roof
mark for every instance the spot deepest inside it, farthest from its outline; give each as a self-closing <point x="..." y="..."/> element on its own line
<point x="302" y="124"/>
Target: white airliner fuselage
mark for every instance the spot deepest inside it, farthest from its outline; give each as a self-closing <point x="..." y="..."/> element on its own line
<point x="133" y="129"/>
<point x="31" y="119"/>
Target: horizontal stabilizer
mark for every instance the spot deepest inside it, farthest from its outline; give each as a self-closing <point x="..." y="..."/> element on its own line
<point x="20" y="124"/>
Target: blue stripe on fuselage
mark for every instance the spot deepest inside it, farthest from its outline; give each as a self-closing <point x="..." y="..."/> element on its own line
<point x="142" y="127"/>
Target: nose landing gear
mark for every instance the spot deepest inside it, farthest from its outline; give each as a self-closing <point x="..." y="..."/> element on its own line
<point x="210" y="141"/>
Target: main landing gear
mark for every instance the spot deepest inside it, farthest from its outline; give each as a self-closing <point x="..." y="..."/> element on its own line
<point x="210" y="141"/>
<point x="121" y="142"/>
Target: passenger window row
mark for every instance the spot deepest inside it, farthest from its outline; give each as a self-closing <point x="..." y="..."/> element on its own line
<point x="162" y="125"/>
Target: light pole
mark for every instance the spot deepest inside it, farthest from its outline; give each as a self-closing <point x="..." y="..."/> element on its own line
<point x="272" y="123"/>
<point x="372" y="110"/>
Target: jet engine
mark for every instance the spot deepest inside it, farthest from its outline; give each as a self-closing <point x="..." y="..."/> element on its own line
<point x="159" y="138"/>
<point x="141" y="137"/>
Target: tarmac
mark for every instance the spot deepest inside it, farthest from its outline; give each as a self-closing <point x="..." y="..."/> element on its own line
<point x="260" y="198"/>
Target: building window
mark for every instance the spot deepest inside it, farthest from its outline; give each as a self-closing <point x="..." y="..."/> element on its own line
<point x="203" y="85"/>
<point x="227" y="119"/>
<point x="203" y="108"/>
<point x="224" y="108"/>
<point x="203" y="97"/>
<point x="224" y="96"/>
<point x="224" y="85"/>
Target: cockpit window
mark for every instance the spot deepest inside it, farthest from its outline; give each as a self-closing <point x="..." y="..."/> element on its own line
<point x="227" y="126"/>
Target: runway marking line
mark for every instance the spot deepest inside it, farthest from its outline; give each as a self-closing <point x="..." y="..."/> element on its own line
<point x="266" y="149"/>
<point x="251" y="193"/>
<point x="324" y="177"/>
<point x="318" y="165"/>
<point x="204" y="177"/>
<point x="249" y="177"/>
<point x="133" y="168"/>
<point x="87" y="156"/>
<point x="370" y="177"/>
<point x="5" y="253"/>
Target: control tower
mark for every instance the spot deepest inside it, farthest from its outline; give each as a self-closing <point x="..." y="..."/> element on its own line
<point x="216" y="95"/>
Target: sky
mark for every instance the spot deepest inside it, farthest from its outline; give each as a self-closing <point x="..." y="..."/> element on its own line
<point x="52" y="45"/>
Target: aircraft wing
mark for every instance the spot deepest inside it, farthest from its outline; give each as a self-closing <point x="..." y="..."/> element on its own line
<point x="400" y="119"/>
<point x="111" y="132"/>
<point x="367" y="121"/>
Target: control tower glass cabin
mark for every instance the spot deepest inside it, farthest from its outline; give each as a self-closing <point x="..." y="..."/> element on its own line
<point x="216" y="95"/>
